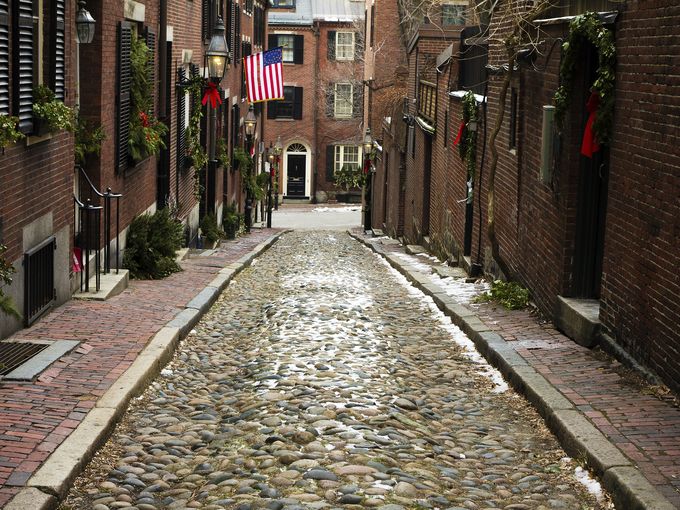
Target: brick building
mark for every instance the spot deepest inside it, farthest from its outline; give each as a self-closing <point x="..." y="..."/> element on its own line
<point x="319" y="120"/>
<point x="38" y="174"/>
<point x="594" y="239"/>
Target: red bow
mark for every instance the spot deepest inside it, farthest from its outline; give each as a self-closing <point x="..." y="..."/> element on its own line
<point x="460" y="133"/>
<point x="144" y="118"/>
<point x="212" y="94"/>
<point x="589" y="146"/>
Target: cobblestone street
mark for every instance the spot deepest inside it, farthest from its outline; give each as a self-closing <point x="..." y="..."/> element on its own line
<point x="321" y="379"/>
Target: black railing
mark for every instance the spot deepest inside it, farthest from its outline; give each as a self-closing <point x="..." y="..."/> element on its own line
<point x="89" y="239"/>
<point x="39" y="291"/>
<point x="107" y="197"/>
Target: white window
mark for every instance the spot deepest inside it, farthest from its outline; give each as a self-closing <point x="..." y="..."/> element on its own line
<point x="453" y="12"/>
<point x="346" y="155"/>
<point x="288" y="43"/>
<point x="344" y="46"/>
<point x="343" y="106"/>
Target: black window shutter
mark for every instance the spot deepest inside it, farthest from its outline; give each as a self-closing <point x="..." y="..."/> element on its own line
<point x="4" y="57"/>
<point x="297" y="103"/>
<point x="123" y="95"/>
<point x="357" y="106"/>
<point x="181" y="110"/>
<point x="150" y="37"/>
<point x="237" y="43"/>
<point x="272" y="41"/>
<point x="299" y="49"/>
<point x="22" y="70"/>
<point x="330" y="163"/>
<point x="58" y="54"/>
<point x="231" y="27"/>
<point x="271" y="109"/>
<point x="235" y="126"/>
<point x="331" y="45"/>
<point x="205" y="20"/>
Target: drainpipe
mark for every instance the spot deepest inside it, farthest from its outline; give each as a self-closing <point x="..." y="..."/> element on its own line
<point x="315" y="150"/>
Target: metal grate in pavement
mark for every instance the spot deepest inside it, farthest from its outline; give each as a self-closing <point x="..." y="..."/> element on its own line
<point x="14" y="354"/>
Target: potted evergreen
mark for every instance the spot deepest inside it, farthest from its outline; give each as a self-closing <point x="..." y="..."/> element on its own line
<point x="349" y="178"/>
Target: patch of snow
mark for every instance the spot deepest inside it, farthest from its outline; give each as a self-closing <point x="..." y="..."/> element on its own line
<point x="346" y="208"/>
<point x="591" y="485"/>
<point x="166" y="372"/>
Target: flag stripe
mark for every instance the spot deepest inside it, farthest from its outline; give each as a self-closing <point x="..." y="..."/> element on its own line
<point x="264" y="75"/>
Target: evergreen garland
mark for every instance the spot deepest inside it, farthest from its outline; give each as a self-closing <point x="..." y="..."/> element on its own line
<point x="588" y="27"/>
<point x="468" y="142"/>
<point x="198" y="155"/>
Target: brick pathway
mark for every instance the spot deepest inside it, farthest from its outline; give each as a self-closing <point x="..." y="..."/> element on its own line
<point x="35" y="417"/>
<point x="645" y="427"/>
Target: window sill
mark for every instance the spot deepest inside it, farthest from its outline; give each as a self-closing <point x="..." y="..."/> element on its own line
<point x="35" y="139"/>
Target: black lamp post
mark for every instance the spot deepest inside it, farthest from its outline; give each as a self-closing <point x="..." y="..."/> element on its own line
<point x="250" y="123"/>
<point x="84" y="24"/>
<point x="368" y="151"/>
<point x="278" y="150"/>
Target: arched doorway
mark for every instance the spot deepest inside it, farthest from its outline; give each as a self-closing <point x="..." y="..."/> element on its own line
<point x="296" y="171"/>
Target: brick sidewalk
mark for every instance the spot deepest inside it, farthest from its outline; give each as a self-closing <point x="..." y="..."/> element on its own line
<point x="36" y="417"/>
<point x="645" y="427"/>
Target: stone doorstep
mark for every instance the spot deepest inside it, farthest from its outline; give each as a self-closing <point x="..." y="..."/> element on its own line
<point x="415" y="249"/>
<point x="111" y="284"/>
<point x="579" y="319"/>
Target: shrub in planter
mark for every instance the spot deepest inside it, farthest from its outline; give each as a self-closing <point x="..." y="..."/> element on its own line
<point x="151" y="245"/>
<point x="51" y="115"/>
<point x="211" y="232"/>
<point x="88" y="140"/>
<point x="230" y="221"/>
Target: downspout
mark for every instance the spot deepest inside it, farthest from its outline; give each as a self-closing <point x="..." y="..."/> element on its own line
<point x="315" y="109"/>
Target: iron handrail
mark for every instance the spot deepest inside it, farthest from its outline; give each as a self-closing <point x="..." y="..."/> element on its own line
<point x="107" y="196"/>
<point x="85" y="242"/>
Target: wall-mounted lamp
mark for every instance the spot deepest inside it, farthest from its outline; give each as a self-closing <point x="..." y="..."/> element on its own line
<point x="84" y="24"/>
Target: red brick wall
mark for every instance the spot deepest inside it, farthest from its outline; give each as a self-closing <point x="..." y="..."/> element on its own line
<point x="641" y="286"/>
<point x="38" y="179"/>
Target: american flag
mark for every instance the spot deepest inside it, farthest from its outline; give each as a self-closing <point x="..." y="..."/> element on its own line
<point x="264" y="76"/>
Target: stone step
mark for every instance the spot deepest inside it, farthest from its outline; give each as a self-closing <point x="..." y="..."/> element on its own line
<point x="111" y="284"/>
<point x="579" y="319"/>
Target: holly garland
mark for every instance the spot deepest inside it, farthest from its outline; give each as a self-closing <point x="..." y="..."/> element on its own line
<point x="588" y="27"/>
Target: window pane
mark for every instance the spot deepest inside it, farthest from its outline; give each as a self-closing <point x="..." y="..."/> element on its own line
<point x="284" y="108"/>
<point x="453" y="14"/>
<point x="287" y="41"/>
<point x="344" y="45"/>
<point x="343" y="100"/>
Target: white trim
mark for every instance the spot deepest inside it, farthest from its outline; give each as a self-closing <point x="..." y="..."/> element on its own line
<point x="134" y="11"/>
<point x="308" y="167"/>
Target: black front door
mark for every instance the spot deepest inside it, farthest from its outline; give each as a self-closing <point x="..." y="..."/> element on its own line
<point x="296" y="175"/>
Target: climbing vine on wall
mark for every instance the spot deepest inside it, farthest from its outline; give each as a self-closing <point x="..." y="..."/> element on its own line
<point x="468" y="143"/>
<point x="588" y="28"/>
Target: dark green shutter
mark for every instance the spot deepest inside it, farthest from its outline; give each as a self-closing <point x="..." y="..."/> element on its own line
<point x="331" y="45"/>
<point x="237" y="35"/>
<point x="298" y="49"/>
<point x="330" y="163"/>
<point x="297" y="103"/>
<point x="4" y="57"/>
<point x="358" y="105"/>
<point x="150" y="38"/>
<point x="272" y="41"/>
<point x="181" y="109"/>
<point x="58" y="53"/>
<point x="123" y="95"/>
<point x="231" y="27"/>
<point x="22" y="69"/>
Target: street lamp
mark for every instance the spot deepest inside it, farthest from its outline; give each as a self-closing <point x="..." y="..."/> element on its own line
<point x="84" y="24"/>
<point x="217" y="55"/>
<point x="250" y="123"/>
<point x="368" y="151"/>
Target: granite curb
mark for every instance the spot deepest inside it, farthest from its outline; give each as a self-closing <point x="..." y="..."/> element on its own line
<point x="628" y="487"/>
<point x="51" y="482"/>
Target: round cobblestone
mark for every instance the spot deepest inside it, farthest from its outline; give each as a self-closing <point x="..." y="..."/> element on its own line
<point x="320" y="380"/>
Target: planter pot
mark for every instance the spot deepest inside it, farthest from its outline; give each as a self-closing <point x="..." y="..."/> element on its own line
<point x="40" y="127"/>
<point x="348" y="197"/>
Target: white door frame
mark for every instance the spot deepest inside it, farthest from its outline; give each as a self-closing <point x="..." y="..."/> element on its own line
<point x="308" y="167"/>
